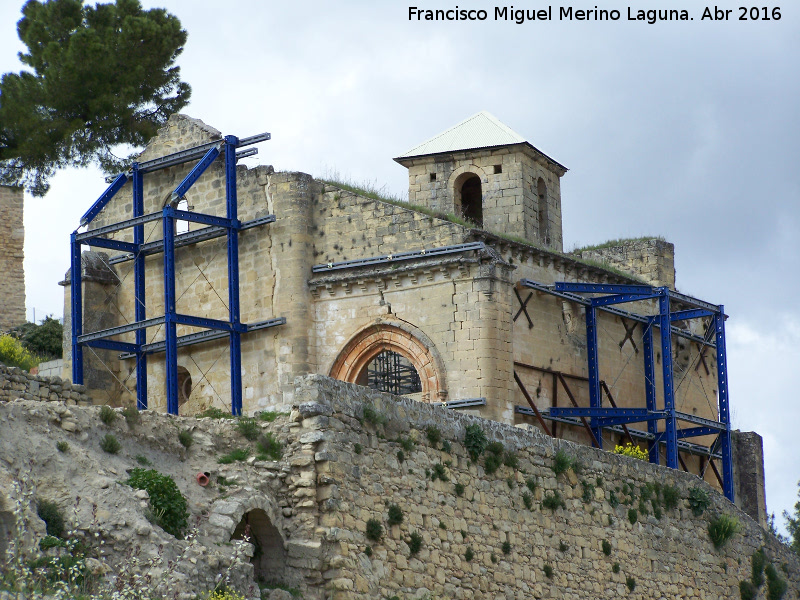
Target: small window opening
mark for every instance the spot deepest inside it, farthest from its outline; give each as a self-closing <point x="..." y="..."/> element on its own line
<point x="269" y="556"/>
<point x="498" y="169"/>
<point x="472" y="200"/>
<point x="184" y="385"/>
<point x="182" y="226"/>
<point x="544" y="224"/>
<point x="392" y="373"/>
<point x="433" y="176"/>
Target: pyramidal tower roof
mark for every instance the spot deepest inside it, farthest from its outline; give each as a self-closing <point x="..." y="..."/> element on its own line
<point x="481" y="130"/>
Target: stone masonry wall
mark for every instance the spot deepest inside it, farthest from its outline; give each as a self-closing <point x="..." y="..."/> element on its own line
<point x="16" y="383"/>
<point x="651" y="259"/>
<point x="12" y="238"/>
<point x="479" y="539"/>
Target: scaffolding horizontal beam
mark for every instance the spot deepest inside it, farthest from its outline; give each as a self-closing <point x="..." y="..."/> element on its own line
<point x="196" y="217"/>
<point x="112" y="345"/>
<point x="641" y="413"/>
<point x="207" y="323"/>
<point x="604" y="288"/>
<point x="693" y="313"/>
<point x="191" y="237"/>
<point x="464" y="403"/>
<point x="105" y="333"/>
<point x="688" y="447"/>
<point x="176" y="158"/>
<point x="682" y="416"/>
<point x="101" y="242"/>
<point x="409" y="255"/>
<point x="127" y="224"/>
<point x="254" y="139"/>
<point x="695" y="302"/>
<point x="620" y="299"/>
<point x="697" y="431"/>
<point x="201" y="337"/>
<point x="549" y="289"/>
<point x="245" y="153"/>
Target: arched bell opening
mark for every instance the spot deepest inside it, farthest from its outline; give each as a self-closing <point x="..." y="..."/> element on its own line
<point x="269" y="555"/>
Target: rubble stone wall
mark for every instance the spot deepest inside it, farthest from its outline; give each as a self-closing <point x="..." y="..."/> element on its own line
<point x="16" y="383"/>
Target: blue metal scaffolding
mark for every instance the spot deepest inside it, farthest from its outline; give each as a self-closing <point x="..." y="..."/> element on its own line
<point x="606" y="297"/>
<point x="228" y="226"/>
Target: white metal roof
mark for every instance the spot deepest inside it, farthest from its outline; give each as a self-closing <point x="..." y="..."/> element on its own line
<point x="482" y="130"/>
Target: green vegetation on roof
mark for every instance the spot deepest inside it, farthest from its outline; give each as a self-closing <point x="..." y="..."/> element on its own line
<point x="619" y="242"/>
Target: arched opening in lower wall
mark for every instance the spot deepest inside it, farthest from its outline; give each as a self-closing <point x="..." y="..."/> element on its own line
<point x="269" y="556"/>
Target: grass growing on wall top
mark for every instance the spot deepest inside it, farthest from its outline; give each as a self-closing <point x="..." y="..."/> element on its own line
<point x="618" y="242"/>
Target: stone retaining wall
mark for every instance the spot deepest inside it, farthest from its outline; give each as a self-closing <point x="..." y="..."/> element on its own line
<point x="16" y="383"/>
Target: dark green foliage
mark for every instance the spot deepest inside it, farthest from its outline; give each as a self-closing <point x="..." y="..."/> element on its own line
<point x="99" y="76"/>
<point x="510" y="460"/>
<point x="401" y="457"/>
<point x="554" y="501"/>
<point x="132" y="416"/>
<point x="43" y="340"/>
<point x="239" y="455"/>
<point x="469" y="554"/>
<point x="62" y="446"/>
<point x="459" y="489"/>
<point x="269" y="415"/>
<point x="215" y="413"/>
<point x="109" y="443"/>
<point x="434" y="435"/>
<point x="615" y="568"/>
<point x="395" y="515"/>
<point x="357" y="448"/>
<point x="406" y="444"/>
<point x="446" y="447"/>
<point x="606" y="547"/>
<point x="372" y="416"/>
<point x="657" y="512"/>
<point x="612" y="499"/>
<point x="493" y="558"/>
<point x="414" y="543"/>
<point x="475" y="441"/>
<point x="562" y="547"/>
<point x="747" y="590"/>
<point x="671" y="496"/>
<point x="531" y="484"/>
<point x="463" y="534"/>
<point x="50" y="513"/>
<point x="633" y="516"/>
<point x="50" y="541"/>
<point x="698" y="500"/>
<point x="548" y="571"/>
<point x="588" y="492"/>
<point x="506" y="547"/>
<point x="793" y="525"/>
<point x="776" y="587"/>
<point x="492" y="462"/>
<point x="631" y="583"/>
<point x="643" y="506"/>
<point x="722" y="528"/>
<point x="269" y="447"/>
<point x="599" y="481"/>
<point x="495" y="448"/>
<point x="759" y="561"/>
<point x="561" y="463"/>
<point x="248" y="428"/>
<point x="527" y="500"/>
<point x="107" y="414"/>
<point x="368" y="551"/>
<point x="142" y="460"/>
<point x="442" y="526"/>
<point x="168" y="504"/>
<point x="374" y="530"/>
<point x="439" y="472"/>
<point x="185" y="438"/>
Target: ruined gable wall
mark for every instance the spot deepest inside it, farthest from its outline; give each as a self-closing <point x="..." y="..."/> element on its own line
<point x="12" y="238"/>
<point x="652" y="260"/>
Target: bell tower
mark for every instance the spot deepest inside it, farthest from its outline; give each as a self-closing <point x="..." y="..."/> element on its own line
<point x="483" y="171"/>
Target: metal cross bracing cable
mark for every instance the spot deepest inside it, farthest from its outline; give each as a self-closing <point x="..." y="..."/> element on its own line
<point x="205" y="376"/>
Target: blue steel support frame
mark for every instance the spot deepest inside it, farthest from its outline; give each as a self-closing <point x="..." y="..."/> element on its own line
<point x="231" y="142"/>
<point x="671" y="429"/>
<point x="76" y="305"/>
<point x="593" y="368"/>
<point x="140" y="309"/>
<point x="605" y="417"/>
<point x="724" y="408"/>
<point x="650" y="388"/>
<point x="171" y="319"/>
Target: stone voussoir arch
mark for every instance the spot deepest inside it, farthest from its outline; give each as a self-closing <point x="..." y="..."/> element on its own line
<point x="471" y="168"/>
<point x="406" y="340"/>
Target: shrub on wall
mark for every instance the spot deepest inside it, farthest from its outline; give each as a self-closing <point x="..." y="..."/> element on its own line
<point x="168" y="504"/>
<point x="722" y="528"/>
<point x="475" y="441"/>
<point x="632" y="450"/>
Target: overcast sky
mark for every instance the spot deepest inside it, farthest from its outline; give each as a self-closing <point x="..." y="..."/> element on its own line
<point x="687" y="130"/>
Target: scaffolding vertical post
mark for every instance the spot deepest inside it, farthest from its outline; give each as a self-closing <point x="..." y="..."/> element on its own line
<point x="724" y="408"/>
<point x="231" y="142"/>
<point x="76" y="305"/>
<point x="650" y="388"/>
<point x="171" y="340"/>
<point x="670" y="430"/>
<point x="594" y="372"/>
<point x="139" y="289"/>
